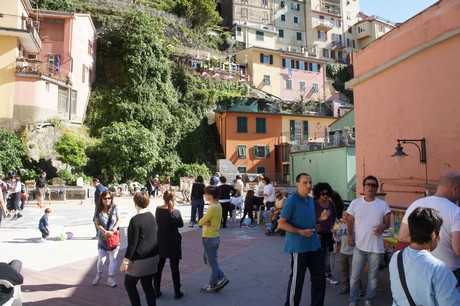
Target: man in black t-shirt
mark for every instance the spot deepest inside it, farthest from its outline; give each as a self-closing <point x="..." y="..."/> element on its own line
<point x="40" y="183"/>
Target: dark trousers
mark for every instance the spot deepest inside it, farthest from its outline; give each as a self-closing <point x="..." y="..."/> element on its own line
<point x="174" y="264"/>
<point x="300" y="262"/>
<point x="45" y="232"/>
<point x="147" y="285"/>
<point x="247" y="212"/>
<point x="226" y="207"/>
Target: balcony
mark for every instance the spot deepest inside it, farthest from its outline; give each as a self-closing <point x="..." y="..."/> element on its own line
<point x="28" y="36"/>
<point x="323" y="25"/>
<point x="331" y="11"/>
<point x="38" y="69"/>
<point x="338" y="45"/>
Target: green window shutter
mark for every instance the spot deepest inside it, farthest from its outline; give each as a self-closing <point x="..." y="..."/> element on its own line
<point x="271" y="59"/>
<point x="261" y="57"/>
<point x="244" y="151"/>
<point x="292" y="129"/>
<point x="267" y="151"/>
<point x="255" y="151"/>
<point x="305" y="130"/>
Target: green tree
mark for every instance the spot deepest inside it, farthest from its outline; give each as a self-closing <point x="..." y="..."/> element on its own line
<point x="71" y="149"/>
<point x="12" y="151"/>
<point x="202" y="14"/>
<point x="54" y="5"/>
<point x="127" y="151"/>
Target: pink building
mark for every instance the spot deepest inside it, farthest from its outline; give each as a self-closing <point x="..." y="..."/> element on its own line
<point x="406" y="87"/>
<point x="48" y="73"/>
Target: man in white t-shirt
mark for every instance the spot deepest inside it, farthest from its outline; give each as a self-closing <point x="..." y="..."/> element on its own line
<point x="367" y="218"/>
<point x="447" y="193"/>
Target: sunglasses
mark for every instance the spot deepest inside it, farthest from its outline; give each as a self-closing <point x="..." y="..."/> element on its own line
<point x="107" y="198"/>
<point x="371" y="185"/>
<point x="324" y="194"/>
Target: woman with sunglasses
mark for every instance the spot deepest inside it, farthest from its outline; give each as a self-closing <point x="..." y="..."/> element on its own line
<point x="107" y="220"/>
<point x="321" y="193"/>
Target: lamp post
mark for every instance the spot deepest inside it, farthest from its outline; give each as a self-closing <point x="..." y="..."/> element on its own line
<point x="421" y="149"/>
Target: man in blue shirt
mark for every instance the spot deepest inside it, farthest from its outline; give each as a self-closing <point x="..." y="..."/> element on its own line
<point x="298" y="220"/>
<point x="429" y="280"/>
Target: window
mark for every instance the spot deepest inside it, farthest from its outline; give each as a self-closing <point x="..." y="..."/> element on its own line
<point x="264" y="2"/>
<point x="261" y="151"/>
<point x="296" y="20"/>
<point x="333" y="54"/>
<point x="298" y="130"/>
<point x="241" y="124"/>
<point x="301" y="66"/>
<point x="289" y="84"/>
<point x="260" y="170"/>
<point x="238" y="31"/>
<point x="286" y="63"/>
<point x="326" y="53"/>
<point x="295" y="6"/>
<point x="302" y="86"/>
<point x="286" y="153"/>
<point x="314" y="67"/>
<point x="299" y="35"/>
<point x="350" y="30"/>
<point x="283" y="17"/>
<point x="353" y="42"/>
<point x="322" y="35"/>
<point x="241" y="169"/>
<point x="266" y="59"/>
<point x="90" y="47"/>
<point x="63" y="103"/>
<point x="242" y="151"/>
<point x="297" y="64"/>
<point x="73" y="102"/>
<point x="267" y="80"/>
<point x="280" y="33"/>
<point x="244" y="13"/>
<point x="259" y="35"/>
<point x="261" y="126"/>
<point x="315" y="87"/>
<point x="47" y="86"/>
<point x="348" y="43"/>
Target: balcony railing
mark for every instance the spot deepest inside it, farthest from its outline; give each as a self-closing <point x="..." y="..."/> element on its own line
<point x="30" y="26"/>
<point x="38" y="68"/>
<point x="338" y="44"/>
<point x="331" y="11"/>
<point x="324" y="25"/>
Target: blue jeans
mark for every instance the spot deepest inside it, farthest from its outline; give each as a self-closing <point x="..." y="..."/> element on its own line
<point x="197" y="205"/>
<point x="357" y="267"/>
<point x="210" y="246"/>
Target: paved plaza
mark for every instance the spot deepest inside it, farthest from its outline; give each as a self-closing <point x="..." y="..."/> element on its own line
<point x="60" y="272"/>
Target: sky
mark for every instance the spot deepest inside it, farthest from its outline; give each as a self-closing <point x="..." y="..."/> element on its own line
<point x="394" y="10"/>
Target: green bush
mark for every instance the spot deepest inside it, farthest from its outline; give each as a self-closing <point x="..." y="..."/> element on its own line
<point x="192" y="170"/>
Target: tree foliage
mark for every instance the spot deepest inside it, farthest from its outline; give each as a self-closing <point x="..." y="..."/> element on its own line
<point x="12" y="151"/>
<point x="71" y="150"/>
<point x="202" y="14"/>
<point x="54" y="5"/>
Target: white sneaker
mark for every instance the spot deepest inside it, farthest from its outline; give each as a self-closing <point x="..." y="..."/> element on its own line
<point x="190" y="224"/>
<point x="96" y="279"/>
<point x="111" y="282"/>
<point x="43" y="240"/>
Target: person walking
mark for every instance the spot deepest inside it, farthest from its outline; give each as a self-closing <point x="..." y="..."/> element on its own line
<point x="141" y="257"/>
<point x="225" y="192"/>
<point x="367" y="218"/>
<point x="169" y="221"/>
<point x="299" y="221"/>
<point x="97" y="192"/>
<point x="107" y="220"/>
<point x="43" y="224"/>
<point x="210" y="238"/>
<point x="429" y="281"/>
<point x="39" y="186"/>
<point x="197" y="200"/>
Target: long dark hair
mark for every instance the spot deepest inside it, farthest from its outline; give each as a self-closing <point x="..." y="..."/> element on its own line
<point x="168" y="197"/>
<point x="100" y="206"/>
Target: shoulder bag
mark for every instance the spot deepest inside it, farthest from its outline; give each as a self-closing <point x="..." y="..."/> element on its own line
<point x="114" y="240"/>
<point x="402" y="277"/>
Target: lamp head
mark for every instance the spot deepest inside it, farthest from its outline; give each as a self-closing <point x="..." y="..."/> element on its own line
<point x="399" y="151"/>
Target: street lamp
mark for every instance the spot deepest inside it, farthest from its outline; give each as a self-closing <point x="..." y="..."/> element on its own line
<point x="421" y="149"/>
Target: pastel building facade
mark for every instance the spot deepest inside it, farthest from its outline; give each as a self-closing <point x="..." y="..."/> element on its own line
<point x="285" y="75"/>
<point x="406" y="87"/>
<point x="48" y="64"/>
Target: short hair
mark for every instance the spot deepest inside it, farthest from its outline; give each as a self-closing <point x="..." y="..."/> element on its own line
<point x="422" y="222"/>
<point x="47" y="210"/>
<point x="260" y="176"/>
<point x="370" y="177"/>
<point x="199" y="179"/>
<point x="141" y="199"/>
<point x="266" y="180"/>
<point x="223" y="179"/>
<point x="95" y="180"/>
<point x="238" y="177"/>
<point x="320" y="187"/>
<point x="212" y="191"/>
<point x="297" y="179"/>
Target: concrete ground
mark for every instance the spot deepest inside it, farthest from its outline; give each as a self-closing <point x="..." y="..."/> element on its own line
<point x="60" y="272"/>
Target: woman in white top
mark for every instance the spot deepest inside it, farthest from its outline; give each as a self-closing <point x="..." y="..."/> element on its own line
<point x="269" y="193"/>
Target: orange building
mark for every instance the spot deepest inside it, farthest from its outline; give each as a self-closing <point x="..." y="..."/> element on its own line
<point x="259" y="140"/>
<point x="406" y="87"/>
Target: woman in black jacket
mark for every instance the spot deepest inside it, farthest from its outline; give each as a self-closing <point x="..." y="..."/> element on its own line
<point x="197" y="200"/>
<point x="141" y="258"/>
<point x="169" y="241"/>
